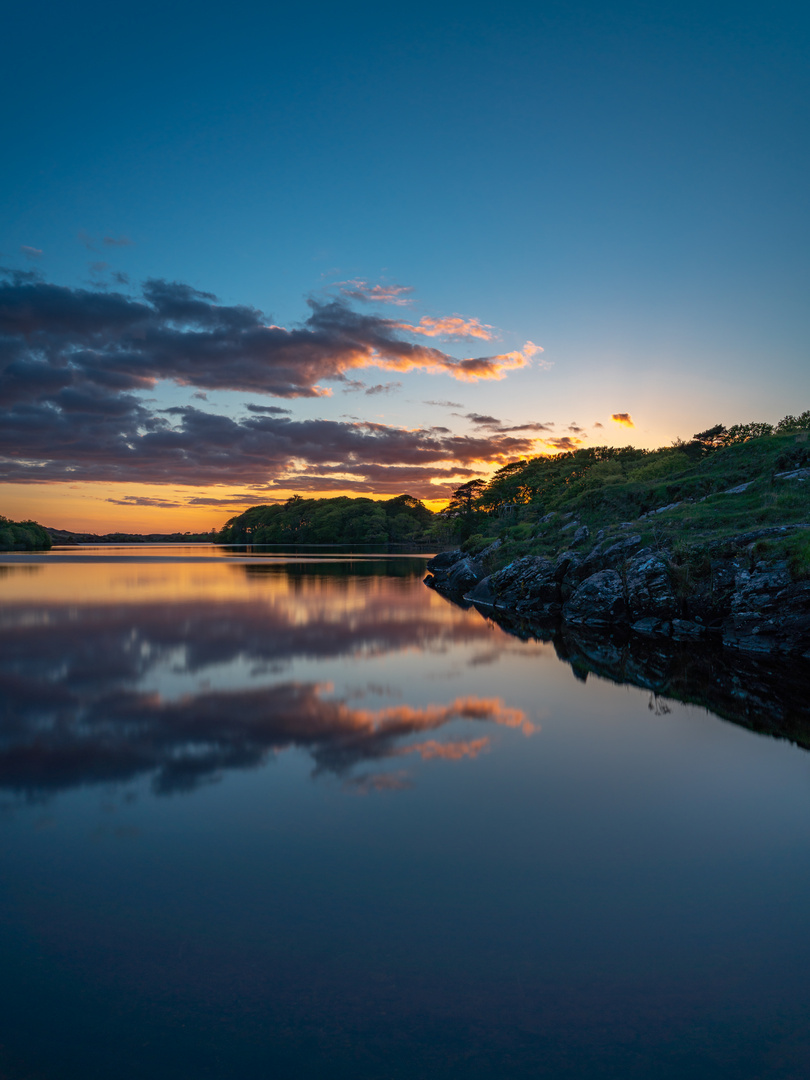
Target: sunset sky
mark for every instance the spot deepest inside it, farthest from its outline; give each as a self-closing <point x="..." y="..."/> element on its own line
<point x="258" y="249"/>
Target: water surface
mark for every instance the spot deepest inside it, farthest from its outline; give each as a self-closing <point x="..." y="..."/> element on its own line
<point x="287" y="815"/>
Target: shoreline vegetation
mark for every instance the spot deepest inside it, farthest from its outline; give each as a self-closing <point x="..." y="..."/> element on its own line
<point x="23" y="536"/>
<point x="706" y="538"/>
<point x="702" y="540"/>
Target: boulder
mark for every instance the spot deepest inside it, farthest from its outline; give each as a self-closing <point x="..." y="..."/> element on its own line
<point x="599" y="600"/>
<point x="526" y="586"/>
<point x="649" y="588"/>
<point x="444" y="560"/>
<point x="462" y="576"/>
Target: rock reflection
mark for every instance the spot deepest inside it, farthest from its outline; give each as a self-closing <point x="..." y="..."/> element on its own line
<point x="758" y="693"/>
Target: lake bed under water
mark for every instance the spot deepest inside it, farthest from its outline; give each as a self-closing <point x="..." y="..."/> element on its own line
<point x="298" y="815"/>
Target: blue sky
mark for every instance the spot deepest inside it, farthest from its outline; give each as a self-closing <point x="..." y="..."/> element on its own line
<point x="623" y="185"/>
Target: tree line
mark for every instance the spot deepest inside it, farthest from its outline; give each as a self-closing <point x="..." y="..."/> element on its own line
<point x="339" y="520"/>
<point x="23" y="536"/>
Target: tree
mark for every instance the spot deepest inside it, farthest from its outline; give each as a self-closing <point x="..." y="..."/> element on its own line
<point x="463" y="508"/>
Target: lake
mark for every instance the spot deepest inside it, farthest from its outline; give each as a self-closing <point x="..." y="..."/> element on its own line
<point x="296" y="815"/>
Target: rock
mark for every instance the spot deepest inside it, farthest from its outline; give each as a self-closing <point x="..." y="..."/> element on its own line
<point x="526" y="586"/>
<point x="651" y="627"/>
<point x="649" y="588"/>
<point x="598" y="601"/>
<point x="444" y="560"/>
<point x="769" y="612"/>
<point x="571" y="525"/>
<point x="461" y="576"/>
<point x="482" y="593"/>
<point x="581" y="535"/>
<point x="684" y="629"/>
<point x="661" y="509"/>
<point x="566" y="562"/>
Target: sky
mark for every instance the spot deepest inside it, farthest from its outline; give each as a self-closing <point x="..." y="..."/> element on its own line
<point x="251" y="250"/>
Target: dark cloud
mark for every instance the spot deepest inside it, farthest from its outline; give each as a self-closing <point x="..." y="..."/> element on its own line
<point x="146" y="500"/>
<point x="269" y="410"/>
<point x="564" y="442"/>
<point x="74" y="364"/>
<point x="250" y="499"/>
<point x="597" y="425"/>
<point x="483" y="421"/>
<point x="383" y="388"/>
<point x="180" y="333"/>
<point x="493" y="424"/>
<point x="445" y="404"/>
<point x="117" y="241"/>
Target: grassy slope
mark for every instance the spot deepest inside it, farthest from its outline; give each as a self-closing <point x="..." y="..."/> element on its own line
<point x="608" y="495"/>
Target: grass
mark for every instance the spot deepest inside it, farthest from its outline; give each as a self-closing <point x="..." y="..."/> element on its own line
<point x="611" y="497"/>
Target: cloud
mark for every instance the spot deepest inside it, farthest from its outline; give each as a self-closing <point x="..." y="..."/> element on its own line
<point x="598" y="425"/>
<point x="176" y="332"/>
<point x="31" y="252"/>
<point x="575" y="429"/>
<point x="74" y="364"/>
<point x="482" y="420"/>
<point x="268" y="410"/>
<point x="445" y="404"/>
<point x="563" y="443"/>
<point x="450" y="327"/>
<point x="623" y="418"/>
<point x="494" y="424"/>
<point x="368" y="782"/>
<point x="76" y="711"/>
<point x="383" y="388"/>
<point x="145" y="500"/>
<point x="249" y="499"/>
<point x="385" y="294"/>
<point x="448" y="751"/>
<point x="99" y="267"/>
<point x="117" y="241"/>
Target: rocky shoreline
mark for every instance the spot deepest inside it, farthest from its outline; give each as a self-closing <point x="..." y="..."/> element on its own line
<point x="735" y="594"/>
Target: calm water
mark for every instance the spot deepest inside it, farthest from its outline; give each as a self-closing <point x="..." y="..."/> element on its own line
<point x="302" y="817"/>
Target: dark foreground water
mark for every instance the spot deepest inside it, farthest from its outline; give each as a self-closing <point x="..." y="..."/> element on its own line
<point x="303" y="817"/>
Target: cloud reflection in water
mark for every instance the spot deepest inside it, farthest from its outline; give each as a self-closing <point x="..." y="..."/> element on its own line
<point x="185" y="689"/>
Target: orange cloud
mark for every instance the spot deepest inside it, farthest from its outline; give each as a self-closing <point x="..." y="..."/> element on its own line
<point x="450" y="751"/>
<point x="384" y="294"/>
<point x="399" y="719"/>
<point x="623" y="418"/>
<point x="563" y="443"/>
<point x="450" y="326"/>
<point x="469" y="370"/>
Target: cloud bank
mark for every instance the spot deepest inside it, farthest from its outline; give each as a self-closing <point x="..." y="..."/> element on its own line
<point x="74" y="364"/>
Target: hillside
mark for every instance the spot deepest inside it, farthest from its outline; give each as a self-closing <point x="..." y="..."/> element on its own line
<point x="679" y="498"/>
<point x="706" y="539"/>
